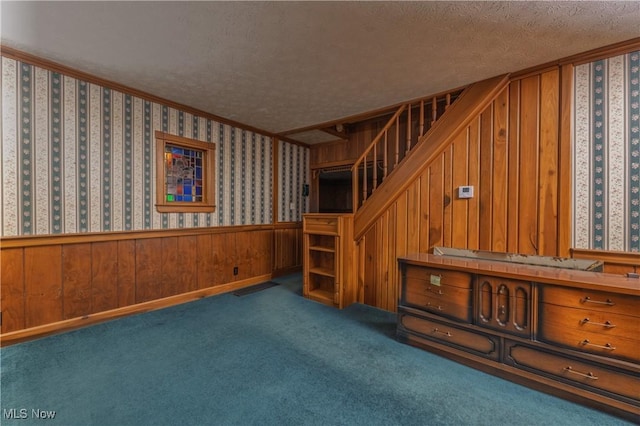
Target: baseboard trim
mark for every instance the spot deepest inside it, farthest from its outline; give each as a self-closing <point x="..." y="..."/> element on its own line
<point x="286" y="271"/>
<point x="19" y="336"/>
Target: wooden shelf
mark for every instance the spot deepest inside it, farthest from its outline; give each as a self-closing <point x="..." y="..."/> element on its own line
<point x="320" y="295"/>
<point x="327" y="263"/>
<point x="322" y="271"/>
<point x="322" y="248"/>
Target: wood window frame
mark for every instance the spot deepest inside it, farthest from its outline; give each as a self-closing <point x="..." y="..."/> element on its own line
<point x="208" y="175"/>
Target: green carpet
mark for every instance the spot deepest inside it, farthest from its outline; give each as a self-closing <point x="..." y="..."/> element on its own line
<point x="268" y="358"/>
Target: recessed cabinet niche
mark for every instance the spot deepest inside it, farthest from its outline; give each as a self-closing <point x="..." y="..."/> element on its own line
<point x="328" y="255"/>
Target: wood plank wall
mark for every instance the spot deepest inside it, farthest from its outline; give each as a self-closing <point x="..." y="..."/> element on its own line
<point x="615" y="262"/>
<point x="287" y="254"/>
<point x="47" y="281"/>
<point x="509" y="153"/>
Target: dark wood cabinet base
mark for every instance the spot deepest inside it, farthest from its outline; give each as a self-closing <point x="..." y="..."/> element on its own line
<point x="521" y="346"/>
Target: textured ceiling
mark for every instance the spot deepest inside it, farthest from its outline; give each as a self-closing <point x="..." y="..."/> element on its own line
<point x="287" y="65"/>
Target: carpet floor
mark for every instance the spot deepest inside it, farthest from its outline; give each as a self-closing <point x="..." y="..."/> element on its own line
<point x="267" y="358"/>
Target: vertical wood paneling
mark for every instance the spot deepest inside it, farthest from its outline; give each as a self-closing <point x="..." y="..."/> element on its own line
<point x="564" y="162"/>
<point x="528" y="164"/>
<point x="187" y="264"/>
<point x="392" y="259"/>
<point x="245" y="253"/>
<point x="436" y="204"/>
<point x="264" y="259"/>
<point x="227" y="251"/>
<point x="205" y="262"/>
<point x="486" y="178"/>
<point x="126" y="273"/>
<point x="413" y="217"/>
<point x="499" y="193"/>
<point x="43" y="285"/>
<point x="12" y="289"/>
<point x="424" y="212"/>
<point x="104" y="267"/>
<point x="460" y="205"/>
<point x="288" y="248"/>
<point x="382" y="286"/>
<point x="402" y="221"/>
<point x="170" y="265"/>
<point x="473" y="227"/>
<point x="447" y="219"/>
<point x="370" y="267"/>
<point x="298" y="261"/>
<point x="221" y="259"/>
<point x="548" y="174"/>
<point x="509" y="153"/>
<point x="46" y="284"/>
<point x="513" y="211"/>
<point x="76" y="276"/>
<point x="148" y="269"/>
<point x="360" y="256"/>
<point x="253" y="250"/>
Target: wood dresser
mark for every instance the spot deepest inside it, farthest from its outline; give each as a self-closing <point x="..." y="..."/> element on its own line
<point x="571" y="333"/>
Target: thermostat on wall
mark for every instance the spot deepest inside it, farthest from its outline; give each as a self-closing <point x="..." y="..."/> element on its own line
<point x="465" y="192"/>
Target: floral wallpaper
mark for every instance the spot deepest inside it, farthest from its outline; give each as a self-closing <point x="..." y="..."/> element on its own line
<point x="606" y="154"/>
<point x="77" y="157"/>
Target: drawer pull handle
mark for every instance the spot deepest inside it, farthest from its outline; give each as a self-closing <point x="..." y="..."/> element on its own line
<point x="588" y="375"/>
<point x="606" y="324"/>
<point x="432" y="306"/>
<point x="587" y="299"/>
<point x="446" y="333"/>
<point x="440" y="292"/>
<point x="606" y="346"/>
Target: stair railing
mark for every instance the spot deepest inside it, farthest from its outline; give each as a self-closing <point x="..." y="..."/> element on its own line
<point x="414" y="119"/>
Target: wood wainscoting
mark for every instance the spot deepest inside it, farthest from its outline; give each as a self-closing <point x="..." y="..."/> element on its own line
<point x="615" y="262"/>
<point x="56" y="283"/>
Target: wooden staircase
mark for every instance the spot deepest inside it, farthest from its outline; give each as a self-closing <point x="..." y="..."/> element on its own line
<point x="395" y="140"/>
<point x="385" y="168"/>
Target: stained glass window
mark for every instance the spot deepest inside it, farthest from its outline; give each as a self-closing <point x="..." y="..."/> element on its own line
<point x="185" y="174"/>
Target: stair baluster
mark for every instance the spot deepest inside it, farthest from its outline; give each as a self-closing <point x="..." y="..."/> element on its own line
<point x="408" y="147"/>
<point x="361" y="193"/>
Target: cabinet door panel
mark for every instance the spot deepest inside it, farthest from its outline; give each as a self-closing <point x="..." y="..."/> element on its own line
<point x="504" y="305"/>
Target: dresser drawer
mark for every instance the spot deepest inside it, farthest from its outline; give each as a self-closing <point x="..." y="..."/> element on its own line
<point x="320" y="225"/>
<point x="452" y="336"/>
<point x="452" y="302"/>
<point x="438" y="277"/>
<point x="596" y="332"/>
<point x="570" y="370"/>
<point x="592" y="300"/>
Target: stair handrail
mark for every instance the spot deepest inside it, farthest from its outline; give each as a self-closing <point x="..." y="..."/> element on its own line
<point x="467" y="106"/>
<point x="383" y="133"/>
<point x="363" y="157"/>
